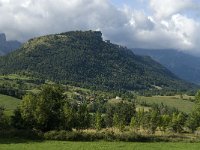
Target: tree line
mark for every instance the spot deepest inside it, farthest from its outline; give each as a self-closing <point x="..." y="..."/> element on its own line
<point x="51" y="109"/>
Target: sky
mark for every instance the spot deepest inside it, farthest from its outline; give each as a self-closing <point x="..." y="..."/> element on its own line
<point x="153" y="24"/>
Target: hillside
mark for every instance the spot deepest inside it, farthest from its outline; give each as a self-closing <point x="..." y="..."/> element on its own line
<point x="186" y="104"/>
<point x="7" y="46"/>
<point x="84" y="59"/>
<point x="181" y="64"/>
<point x="9" y="103"/>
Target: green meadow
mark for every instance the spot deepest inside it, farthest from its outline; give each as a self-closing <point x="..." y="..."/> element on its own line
<point x="9" y="103"/>
<point x="61" y="145"/>
<point x="184" y="105"/>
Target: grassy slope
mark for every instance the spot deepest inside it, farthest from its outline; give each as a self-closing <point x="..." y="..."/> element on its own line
<point x="10" y="103"/>
<point x="172" y="101"/>
<point x="59" y="145"/>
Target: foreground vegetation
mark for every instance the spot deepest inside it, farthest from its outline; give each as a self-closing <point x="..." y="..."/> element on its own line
<point x="54" y="113"/>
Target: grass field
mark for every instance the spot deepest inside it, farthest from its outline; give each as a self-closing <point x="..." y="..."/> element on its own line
<point x="172" y="101"/>
<point x="59" y="145"/>
<point x="9" y="103"/>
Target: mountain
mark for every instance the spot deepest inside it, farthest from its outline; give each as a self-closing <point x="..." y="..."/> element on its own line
<point x="181" y="64"/>
<point x="7" y="46"/>
<point x="83" y="58"/>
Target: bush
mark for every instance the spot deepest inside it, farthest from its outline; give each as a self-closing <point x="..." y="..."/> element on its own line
<point x="72" y="136"/>
<point x="96" y="136"/>
<point x="4" y="120"/>
<point x="21" y="134"/>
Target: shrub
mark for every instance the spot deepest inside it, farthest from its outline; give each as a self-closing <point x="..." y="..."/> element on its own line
<point x="21" y="134"/>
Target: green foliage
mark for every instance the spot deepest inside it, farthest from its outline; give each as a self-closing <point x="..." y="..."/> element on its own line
<point x="119" y="121"/>
<point x="140" y="119"/>
<point x="133" y="123"/>
<point x="165" y="121"/>
<point x="43" y="111"/>
<point x="68" y="116"/>
<point x="94" y="136"/>
<point x="3" y="121"/>
<point x="153" y="120"/>
<point x="51" y="110"/>
<point x="178" y="122"/>
<point x="84" y="59"/>
<point x="28" y="109"/>
<point x="83" y="117"/>
<point x="18" y="122"/>
<point x="123" y="111"/>
<point x="116" y="120"/>
<point x="16" y="85"/>
<point x="193" y="121"/>
<point x="23" y="135"/>
<point x="98" y="121"/>
<point x="197" y="97"/>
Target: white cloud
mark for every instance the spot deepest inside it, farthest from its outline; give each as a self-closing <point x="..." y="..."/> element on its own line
<point x="167" y="27"/>
<point x="177" y="32"/>
<point x="27" y="18"/>
<point x="166" y="8"/>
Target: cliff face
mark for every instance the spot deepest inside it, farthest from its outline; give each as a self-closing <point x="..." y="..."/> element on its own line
<point x="7" y="46"/>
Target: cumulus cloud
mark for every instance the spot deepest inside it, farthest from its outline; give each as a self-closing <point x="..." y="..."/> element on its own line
<point x="168" y="26"/>
<point x="27" y="18"/>
<point x="166" y="8"/>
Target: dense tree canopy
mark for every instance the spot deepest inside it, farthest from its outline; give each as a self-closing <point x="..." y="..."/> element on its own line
<point x="84" y="59"/>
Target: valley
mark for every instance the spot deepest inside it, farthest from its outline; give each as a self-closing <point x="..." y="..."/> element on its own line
<point x="99" y="75"/>
<point x="182" y="64"/>
<point x="76" y="87"/>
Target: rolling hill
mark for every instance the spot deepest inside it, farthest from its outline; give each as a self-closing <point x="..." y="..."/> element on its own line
<point x="84" y="59"/>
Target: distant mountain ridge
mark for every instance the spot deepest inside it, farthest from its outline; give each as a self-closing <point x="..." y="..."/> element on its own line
<point x="7" y="46"/>
<point x="183" y="65"/>
<point x="83" y="58"/>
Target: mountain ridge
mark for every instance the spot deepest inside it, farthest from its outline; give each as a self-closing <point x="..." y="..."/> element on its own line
<point x="7" y="46"/>
<point x="183" y="65"/>
<point x="83" y="58"/>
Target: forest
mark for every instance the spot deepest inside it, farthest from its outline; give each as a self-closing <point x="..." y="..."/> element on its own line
<point x="54" y="114"/>
<point x="83" y="58"/>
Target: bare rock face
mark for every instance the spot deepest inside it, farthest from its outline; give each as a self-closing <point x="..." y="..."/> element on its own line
<point x="7" y="46"/>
